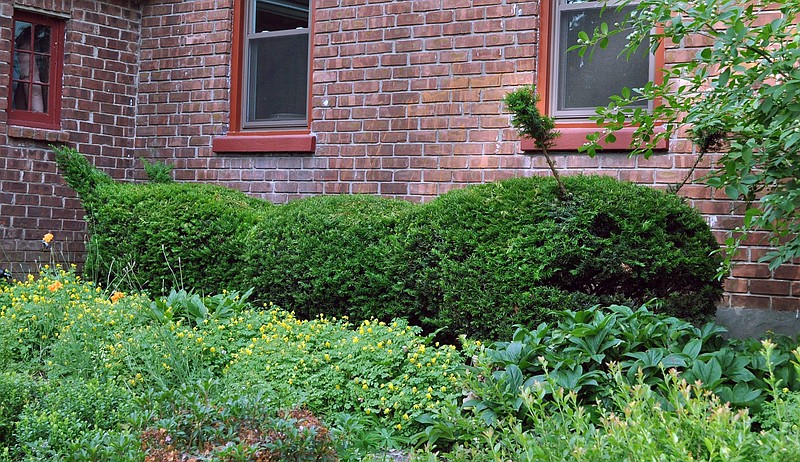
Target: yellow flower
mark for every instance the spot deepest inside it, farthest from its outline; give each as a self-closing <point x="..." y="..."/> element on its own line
<point x="47" y="238"/>
<point x="116" y="296"/>
<point x="55" y="286"/>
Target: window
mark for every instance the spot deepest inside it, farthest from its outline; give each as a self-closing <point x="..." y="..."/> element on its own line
<point x="276" y="64"/>
<point x="270" y="78"/>
<point x="581" y="83"/>
<point x="571" y="86"/>
<point x="37" y="53"/>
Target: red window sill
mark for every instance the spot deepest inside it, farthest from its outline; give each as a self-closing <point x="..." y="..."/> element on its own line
<point x="573" y="138"/>
<point x="262" y="143"/>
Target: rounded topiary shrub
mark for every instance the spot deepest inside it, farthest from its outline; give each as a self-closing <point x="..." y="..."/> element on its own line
<point x="486" y="257"/>
<point x="157" y="236"/>
<point x="330" y="254"/>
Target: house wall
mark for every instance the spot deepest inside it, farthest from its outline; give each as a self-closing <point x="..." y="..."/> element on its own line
<point x="98" y="115"/>
<point x="406" y="103"/>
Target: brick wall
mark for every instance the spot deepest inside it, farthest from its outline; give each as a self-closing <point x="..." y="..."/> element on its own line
<point x="406" y="103"/>
<point x="98" y="109"/>
<point x="183" y="85"/>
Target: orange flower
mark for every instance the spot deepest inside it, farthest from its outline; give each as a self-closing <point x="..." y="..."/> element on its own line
<point x="116" y="296"/>
<point x="46" y="240"/>
<point x="55" y="286"/>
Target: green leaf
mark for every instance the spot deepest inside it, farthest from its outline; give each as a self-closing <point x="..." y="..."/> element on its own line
<point x="732" y="191"/>
<point x="749" y="215"/>
<point x="692" y="348"/>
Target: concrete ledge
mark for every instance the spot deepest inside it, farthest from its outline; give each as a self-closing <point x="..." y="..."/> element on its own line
<point x="744" y="323"/>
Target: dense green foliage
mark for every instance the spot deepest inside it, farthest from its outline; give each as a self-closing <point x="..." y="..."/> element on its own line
<point x="475" y="261"/>
<point x="575" y="354"/>
<point x="672" y="421"/>
<point x="737" y="95"/>
<point x="512" y="246"/>
<point x="620" y="384"/>
<point x="99" y="376"/>
<point x="157" y="172"/>
<point x="160" y="235"/>
<point x="170" y="235"/>
<point x="332" y="255"/>
<point x="86" y="375"/>
<point x="515" y="247"/>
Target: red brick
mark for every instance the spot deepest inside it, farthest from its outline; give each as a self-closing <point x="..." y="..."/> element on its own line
<point x="769" y="287"/>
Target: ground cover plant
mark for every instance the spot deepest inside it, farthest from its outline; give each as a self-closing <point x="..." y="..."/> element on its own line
<point x="88" y="374"/>
<point x="92" y="375"/>
<point x="518" y="246"/>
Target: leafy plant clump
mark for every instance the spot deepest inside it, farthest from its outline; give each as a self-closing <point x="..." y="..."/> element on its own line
<point x="157" y="172"/>
<point x="473" y="261"/>
<point x="670" y="419"/>
<point x="574" y="355"/>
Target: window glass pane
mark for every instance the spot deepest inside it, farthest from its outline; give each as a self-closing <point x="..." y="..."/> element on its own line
<point x="41" y="72"/>
<point x="276" y="15"/>
<point x="42" y="42"/>
<point x="22" y="35"/>
<point x="20" y="92"/>
<point x="278" y="80"/>
<point x="587" y="82"/>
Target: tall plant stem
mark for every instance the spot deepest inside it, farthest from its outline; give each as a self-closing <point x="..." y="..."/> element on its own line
<point x="562" y="191"/>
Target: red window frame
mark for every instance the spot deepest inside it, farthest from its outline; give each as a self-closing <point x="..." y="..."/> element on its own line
<point x="278" y="139"/>
<point x="51" y="119"/>
<point x="573" y="133"/>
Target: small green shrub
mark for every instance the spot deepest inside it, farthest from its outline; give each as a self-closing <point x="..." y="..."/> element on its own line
<point x="157" y="172"/>
<point x="166" y="235"/>
<point x="332" y="255"/>
<point x="16" y="391"/>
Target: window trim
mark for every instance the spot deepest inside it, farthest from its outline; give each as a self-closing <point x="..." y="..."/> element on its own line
<point x="261" y="139"/>
<point x="573" y="132"/>
<point x="50" y="120"/>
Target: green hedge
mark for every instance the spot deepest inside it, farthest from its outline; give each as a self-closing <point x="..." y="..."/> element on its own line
<point x="156" y="236"/>
<point x="479" y="260"/>
<point x="474" y="261"/>
<point x="330" y="254"/>
<point x="500" y="245"/>
<point x="173" y="234"/>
